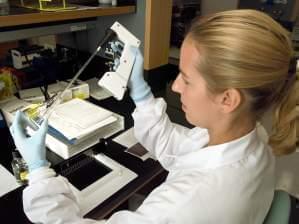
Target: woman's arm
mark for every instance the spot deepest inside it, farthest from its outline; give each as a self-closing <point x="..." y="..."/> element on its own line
<point x="49" y="200"/>
<point x="164" y="139"/>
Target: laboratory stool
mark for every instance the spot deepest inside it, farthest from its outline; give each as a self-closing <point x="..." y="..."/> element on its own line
<point x="279" y="212"/>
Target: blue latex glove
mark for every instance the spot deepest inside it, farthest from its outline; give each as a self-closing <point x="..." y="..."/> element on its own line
<point x="32" y="148"/>
<point x="139" y="89"/>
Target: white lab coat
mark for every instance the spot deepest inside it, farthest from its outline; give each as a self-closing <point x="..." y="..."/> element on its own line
<point x="231" y="183"/>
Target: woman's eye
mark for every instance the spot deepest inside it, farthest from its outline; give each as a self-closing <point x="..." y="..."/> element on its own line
<point x="186" y="82"/>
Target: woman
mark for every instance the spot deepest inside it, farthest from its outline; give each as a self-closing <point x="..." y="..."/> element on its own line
<point x="234" y="66"/>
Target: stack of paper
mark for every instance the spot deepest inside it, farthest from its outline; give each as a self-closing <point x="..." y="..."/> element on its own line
<point x="77" y="118"/>
<point x="73" y="126"/>
<point x="78" y="124"/>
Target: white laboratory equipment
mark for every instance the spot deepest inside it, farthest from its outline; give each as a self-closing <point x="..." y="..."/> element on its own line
<point x="94" y="178"/>
<point x="116" y="81"/>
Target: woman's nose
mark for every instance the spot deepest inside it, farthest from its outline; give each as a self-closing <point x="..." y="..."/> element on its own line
<point x="175" y="85"/>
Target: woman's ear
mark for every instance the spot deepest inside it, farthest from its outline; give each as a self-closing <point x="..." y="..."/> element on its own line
<point x="230" y="100"/>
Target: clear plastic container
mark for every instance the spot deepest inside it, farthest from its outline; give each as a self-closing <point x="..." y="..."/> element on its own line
<point x="19" y="167"/>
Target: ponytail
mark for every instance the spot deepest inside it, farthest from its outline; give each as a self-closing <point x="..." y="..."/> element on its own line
<point x="283" y="137"/>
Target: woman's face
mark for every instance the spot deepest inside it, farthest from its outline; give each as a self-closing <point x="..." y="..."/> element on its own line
<point x="200" y="108"/>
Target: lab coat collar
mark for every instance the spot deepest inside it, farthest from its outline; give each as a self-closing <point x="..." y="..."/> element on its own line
<point x="219" y="155"/>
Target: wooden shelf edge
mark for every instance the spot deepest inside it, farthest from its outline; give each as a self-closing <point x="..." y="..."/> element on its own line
<point x="44" y="17"/>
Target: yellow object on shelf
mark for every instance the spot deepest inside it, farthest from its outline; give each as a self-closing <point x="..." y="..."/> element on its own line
<point x="48" y="5"/>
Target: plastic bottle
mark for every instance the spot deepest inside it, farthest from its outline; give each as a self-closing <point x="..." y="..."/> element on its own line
<point x="4" y="7"/>
<point x="19" y="167"/>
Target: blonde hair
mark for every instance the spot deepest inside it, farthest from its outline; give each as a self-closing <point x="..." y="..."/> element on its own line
<point x="249" y="51"/>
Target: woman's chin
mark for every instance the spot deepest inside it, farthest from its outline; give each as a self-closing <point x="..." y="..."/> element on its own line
<point x="184" y="108"/>
<point x="193" y="122"/>
<point x="189" y="119"/>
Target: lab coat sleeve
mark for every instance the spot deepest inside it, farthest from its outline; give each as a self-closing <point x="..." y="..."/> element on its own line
<point x="49" y="199"/>
<point x="164" y="139"/>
